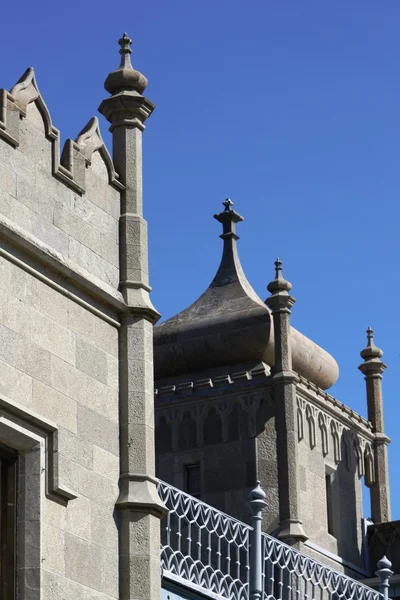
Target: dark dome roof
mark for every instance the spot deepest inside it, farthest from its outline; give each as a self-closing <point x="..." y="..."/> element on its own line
<point x="230" y="324"/>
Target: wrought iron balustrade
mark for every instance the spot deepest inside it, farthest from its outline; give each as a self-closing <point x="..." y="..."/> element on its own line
<point x="203" y="547"/>
<point x="207" y="550"/>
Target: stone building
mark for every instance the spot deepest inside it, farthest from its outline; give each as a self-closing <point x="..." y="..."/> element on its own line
<point x="240" y="395"/>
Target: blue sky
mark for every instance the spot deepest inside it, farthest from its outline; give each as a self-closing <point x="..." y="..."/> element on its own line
<point x="289" y="107"/>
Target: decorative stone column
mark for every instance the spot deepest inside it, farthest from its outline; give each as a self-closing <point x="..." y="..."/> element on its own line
<point x="372" y="368"/>
<point x="284" y="387"/>
<point x="139" y="505"/>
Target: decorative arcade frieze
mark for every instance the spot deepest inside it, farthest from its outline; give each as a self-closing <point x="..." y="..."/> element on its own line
<point x="345" y="440"/>
<point x="223" y="415"/>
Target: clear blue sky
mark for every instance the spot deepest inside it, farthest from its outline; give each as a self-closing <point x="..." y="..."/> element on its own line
<point x="289" y="107"/>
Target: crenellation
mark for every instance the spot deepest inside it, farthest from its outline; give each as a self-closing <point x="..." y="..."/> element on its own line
<point x="50" y="197"/>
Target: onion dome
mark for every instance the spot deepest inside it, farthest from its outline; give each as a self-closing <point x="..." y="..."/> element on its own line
<point x="126" y="78"/>
<point x="229" y="324"/>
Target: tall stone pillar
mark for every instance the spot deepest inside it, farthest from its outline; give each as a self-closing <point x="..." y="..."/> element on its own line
<point x="140" y="508"/>
<point x="284" y="386"/>
<point x="372" y="368"/>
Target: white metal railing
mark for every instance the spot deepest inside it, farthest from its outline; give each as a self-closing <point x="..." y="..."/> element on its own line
<point x="205" y="549"/>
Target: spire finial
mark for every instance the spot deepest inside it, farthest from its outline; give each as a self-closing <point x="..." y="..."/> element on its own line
<point x="228" y="218"/>
<point x="228" y="204"/>
<point x="125" y="43"/>
<point x="125" y="78"/>
<point x="278" y="268"/>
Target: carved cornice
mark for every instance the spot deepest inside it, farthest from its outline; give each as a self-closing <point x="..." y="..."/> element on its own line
<point x="184" y="389"/>
<point x="334" y="406"/>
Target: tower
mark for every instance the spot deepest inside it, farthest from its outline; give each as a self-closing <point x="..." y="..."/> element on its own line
<point x="241" y="395"/>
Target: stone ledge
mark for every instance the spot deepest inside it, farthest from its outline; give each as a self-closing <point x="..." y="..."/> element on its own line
<point x="64" y="269"/>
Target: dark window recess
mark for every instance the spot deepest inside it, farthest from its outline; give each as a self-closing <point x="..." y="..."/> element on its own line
<point x="193" y="480"/>
<point x="329" y="503"/>
<point x="8" y="522"/>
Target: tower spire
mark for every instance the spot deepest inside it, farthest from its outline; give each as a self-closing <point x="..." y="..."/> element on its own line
<point x="230" y="269"/>
<point x="372" y="369"/>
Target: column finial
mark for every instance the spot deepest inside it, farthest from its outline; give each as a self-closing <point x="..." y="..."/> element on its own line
<point x="125" y="78"/>
<point x="372" y="356"/>
<point x="279" y="289"/>
<point x="279" y="284"/>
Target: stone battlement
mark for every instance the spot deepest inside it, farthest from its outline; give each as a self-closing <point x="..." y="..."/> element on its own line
<point x="69" y="201"/>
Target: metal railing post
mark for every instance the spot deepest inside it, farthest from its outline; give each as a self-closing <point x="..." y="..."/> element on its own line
<point x="256" y="503"/>
<point x="384" y="573"/>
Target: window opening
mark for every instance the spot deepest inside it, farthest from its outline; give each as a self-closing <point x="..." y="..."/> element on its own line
<point x="329" y="502"/>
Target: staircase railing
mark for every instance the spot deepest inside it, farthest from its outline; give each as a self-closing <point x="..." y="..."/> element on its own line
<point x="209" y="551"/>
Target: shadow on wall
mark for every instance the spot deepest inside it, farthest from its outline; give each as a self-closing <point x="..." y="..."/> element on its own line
<point x="348" y="504"/>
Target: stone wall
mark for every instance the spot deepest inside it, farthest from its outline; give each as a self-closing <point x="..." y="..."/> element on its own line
<point x="331" y="447"/>
<point x="59" y="353"/>
<point x="219" y="435"/>
<point x="345" y="540"/>
<point x="228" y="427"/>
